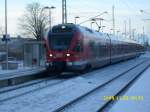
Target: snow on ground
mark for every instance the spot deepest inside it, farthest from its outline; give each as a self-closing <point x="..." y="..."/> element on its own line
<point x="47" y="99"/>
<point x="19" y="69"/>
<point x="140" y="88"/>
<point x="94" y="101"/>
<point x="12" y="71"/>
<point x="147" y="54"/>
<point x="23" y="68"/>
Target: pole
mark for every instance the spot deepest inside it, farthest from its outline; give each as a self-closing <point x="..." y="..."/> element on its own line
<point x="113" y="18"/>
<point x="50" y="14"/>
<point x="64" y="12"/>
<point x="50" y="19"/>
<point x="103" y="28"/>
<point x="101" y="19"/>
<point x="133" y="34"/>
<point x="92" y="25"/>
<point x="75" y="20"/>
<point x="143" y="35"/>
<point x="125" y="29"/>
<point x="130" y="28"/>
<point x="6" y="34"/>
<point x="100" y="25"/>
<point x="138" y="37"/>
<point x="118" y="34"/>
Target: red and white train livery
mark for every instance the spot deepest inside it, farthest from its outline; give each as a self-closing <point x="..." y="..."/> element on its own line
<point x="73" y="47"/>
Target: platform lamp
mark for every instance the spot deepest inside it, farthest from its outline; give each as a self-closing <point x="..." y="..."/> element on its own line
<point x="75" y="19"/>
<point x="50" y="14"/>
<point x="92" y="24"/>
<point x="5" y="37"/>
<point x="103" y="28"/>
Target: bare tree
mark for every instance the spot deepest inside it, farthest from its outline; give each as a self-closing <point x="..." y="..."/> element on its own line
<point x="34" y="22"/>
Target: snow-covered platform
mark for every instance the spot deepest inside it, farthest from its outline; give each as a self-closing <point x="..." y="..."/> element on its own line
<point x="12" y="77"/>
<point x="137" y="98"/>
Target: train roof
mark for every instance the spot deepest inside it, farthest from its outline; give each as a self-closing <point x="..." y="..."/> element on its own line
<point x="121" y="38"/>
<point x="71" y="26"/>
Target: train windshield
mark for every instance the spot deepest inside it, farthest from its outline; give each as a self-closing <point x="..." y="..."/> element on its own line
<point x="60" y="42"/>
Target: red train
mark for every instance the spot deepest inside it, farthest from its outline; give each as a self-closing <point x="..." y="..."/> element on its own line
<point x="77" y="48"/>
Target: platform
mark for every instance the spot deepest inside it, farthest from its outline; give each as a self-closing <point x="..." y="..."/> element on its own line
<point x="137" y="97"/>
<point x="12" y="77"/>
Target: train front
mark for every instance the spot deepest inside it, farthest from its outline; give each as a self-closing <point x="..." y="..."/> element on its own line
<point x="64" y="48"/>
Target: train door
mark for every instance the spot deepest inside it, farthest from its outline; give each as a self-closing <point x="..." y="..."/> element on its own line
<point x="109" y="47"/>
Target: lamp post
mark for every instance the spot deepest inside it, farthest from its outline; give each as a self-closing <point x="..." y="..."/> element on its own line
<point x="103" y="28"/>
<point x="111" y="31"/>
<point x="92" y="24"/>
<point x="133" y="33"/>
<point x="94" y="20"/>
<point x="6" y="34"/>
<point x="75" y="19"/>
<point x="143" y="11"/>
<point x="100" y="24"/>
<point x="100" y="19"/>
<point x="118" y="31"/>
<point x="50" y="15"/>
<point x="50" y="22"/>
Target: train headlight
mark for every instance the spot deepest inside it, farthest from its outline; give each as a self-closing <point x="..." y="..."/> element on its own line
<point x="67" y="54"/>
<point x="51" y="55"/>
<point x="63" y="27"/>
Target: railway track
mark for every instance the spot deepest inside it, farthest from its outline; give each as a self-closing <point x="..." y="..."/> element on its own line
<point x="74" y="106"/>
<point x="71" y="103"/>
<point x="23" y="89"/>
<point x="26" y="84"/>
<point x="29" y="87"/>
<point x="20" y="76"/>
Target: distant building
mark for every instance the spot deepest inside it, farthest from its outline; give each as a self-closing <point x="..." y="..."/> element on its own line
<point x="15" y="46"/>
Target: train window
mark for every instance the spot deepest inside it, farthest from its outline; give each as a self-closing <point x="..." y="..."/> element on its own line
<point x="60" y="41"/>
<point x="79" y="47"/>
<point x="93" y="48"/>
<point x="91" y="44"/>
<point x="62" y="29"/>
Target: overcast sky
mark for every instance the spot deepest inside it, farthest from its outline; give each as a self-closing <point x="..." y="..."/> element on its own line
<point x="124" y="9"/>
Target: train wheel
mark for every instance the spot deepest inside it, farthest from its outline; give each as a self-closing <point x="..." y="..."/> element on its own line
<point x="87" y="69"/>
<point x="54" y="71"/>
